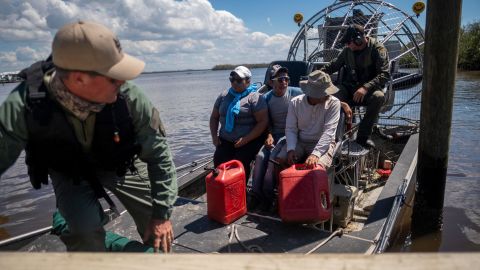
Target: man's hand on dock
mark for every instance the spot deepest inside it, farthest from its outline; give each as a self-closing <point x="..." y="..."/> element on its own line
<point x="162" y="233"/>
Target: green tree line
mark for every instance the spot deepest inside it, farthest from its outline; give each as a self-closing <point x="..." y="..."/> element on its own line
<point x="469" y="47"/>
<point x="229" y="67"/>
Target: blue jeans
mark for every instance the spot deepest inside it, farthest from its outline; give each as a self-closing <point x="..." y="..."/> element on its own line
<point x="263" y="181"/>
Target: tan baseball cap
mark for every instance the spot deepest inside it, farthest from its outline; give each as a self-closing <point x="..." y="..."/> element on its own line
<point x="89" y="46"/>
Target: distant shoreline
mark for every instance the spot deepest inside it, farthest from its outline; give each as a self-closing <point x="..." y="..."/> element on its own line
<point x="230" y="67"/>
<point x="216" y="67"/>
<point x="173" y="71"/>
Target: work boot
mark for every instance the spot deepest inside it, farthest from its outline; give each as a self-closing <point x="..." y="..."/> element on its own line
<point x="365" y="142"/>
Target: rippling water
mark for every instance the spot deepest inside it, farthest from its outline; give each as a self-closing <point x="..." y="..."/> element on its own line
<point x="185" y="100"/>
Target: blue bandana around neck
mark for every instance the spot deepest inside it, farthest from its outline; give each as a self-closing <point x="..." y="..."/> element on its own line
<point x="234" y="107"/>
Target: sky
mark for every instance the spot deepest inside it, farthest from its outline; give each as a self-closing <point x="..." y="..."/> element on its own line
<point x="170" y="34"/>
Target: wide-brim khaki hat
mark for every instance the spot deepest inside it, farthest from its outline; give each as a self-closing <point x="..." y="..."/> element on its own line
<point x="89" y="46"/>
<point x="318" y="85"/>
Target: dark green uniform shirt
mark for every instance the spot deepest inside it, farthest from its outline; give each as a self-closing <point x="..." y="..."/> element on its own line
<point x="370" y="65"/>
<point x="148" y="129"/>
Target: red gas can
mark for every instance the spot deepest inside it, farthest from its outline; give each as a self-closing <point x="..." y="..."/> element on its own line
<point x="226" y="192"/>
<point x="303" y="194"/>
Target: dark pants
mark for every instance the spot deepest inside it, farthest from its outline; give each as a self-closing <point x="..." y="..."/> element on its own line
<point x="373" y="100"/>
<point x="245" y="154"/>
<point x="264" y="179"/>
<point x="79" y="206"/>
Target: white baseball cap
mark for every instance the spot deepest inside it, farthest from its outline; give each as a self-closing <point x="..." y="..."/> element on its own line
<point x="242" y="72"/>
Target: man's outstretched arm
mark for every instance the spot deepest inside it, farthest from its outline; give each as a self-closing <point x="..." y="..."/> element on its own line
<point x="13" y="128"/>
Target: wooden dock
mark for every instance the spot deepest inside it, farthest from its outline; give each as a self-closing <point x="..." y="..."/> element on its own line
<point x="116" y="261"/>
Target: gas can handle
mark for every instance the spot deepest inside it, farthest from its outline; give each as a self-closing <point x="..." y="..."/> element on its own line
<point x="303" y="166"/>
<point x="299" y="167"/>
<point x="212" y="169"/>
<point x="230" y="164"/>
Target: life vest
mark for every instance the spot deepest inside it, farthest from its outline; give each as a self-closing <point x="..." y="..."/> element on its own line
<point x="363" y="70"/>
<point x="52" y="143"/>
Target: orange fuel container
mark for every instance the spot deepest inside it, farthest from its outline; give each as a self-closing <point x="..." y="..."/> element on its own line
<point x="303" y="194"/>
<point x="226" y="192"/>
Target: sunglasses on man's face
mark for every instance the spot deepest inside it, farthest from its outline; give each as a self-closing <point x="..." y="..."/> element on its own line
<point x="282" y="79"/>
<point x="236" y="80"/>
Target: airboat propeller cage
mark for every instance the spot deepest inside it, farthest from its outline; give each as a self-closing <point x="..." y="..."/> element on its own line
<point x="318" y="39"/>
<point x="318" y="42"/>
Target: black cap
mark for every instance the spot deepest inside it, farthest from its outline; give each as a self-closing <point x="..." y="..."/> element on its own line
<point x="353" y="32"/>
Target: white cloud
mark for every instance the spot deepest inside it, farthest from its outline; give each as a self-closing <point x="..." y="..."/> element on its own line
<point x="8" y="57"/>
<point x="22" y="22"/>
<point x="28" y="54"/>
<point x="167" y="34"/>
<point x="21" y="57"/>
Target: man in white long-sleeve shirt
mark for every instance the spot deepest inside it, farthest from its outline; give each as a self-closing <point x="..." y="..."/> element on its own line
<point x="311" y="124"/>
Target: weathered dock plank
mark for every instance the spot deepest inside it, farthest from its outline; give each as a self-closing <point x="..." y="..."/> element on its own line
<point x="116" y="261"/>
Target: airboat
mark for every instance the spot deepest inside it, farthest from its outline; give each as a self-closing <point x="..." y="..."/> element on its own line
<point x="368" y="208"/>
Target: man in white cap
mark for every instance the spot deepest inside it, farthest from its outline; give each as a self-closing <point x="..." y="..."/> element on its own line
<point x="312" y="121"/>
<point x="82" y="124"/>
<point x="242" y="114"/>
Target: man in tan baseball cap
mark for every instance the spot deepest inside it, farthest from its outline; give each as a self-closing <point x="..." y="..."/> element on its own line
<point x="84" y="48"/>
<point x="85" y="127"/>
<point x="89" y="46"/>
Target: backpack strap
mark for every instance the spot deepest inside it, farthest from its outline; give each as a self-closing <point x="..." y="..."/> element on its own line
<point x="33" y="77"/>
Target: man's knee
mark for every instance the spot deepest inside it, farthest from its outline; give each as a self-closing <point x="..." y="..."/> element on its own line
<point x="262" y="154"/>
<point x="377" y="98"/>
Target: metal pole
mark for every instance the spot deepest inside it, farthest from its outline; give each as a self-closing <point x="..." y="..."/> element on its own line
<point x="440" y="65"/>
<point x="305" y="53"/>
